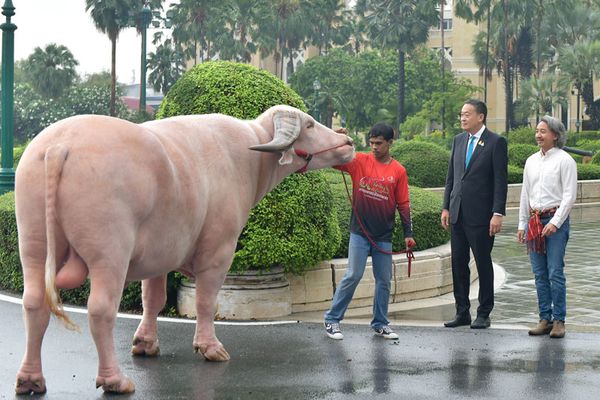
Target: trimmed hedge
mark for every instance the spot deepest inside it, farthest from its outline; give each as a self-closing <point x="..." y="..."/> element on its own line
<point x="426" y="163"/>
<point x="519" y="153"/>
<point x="239" y="90"/>
<point x="295" y="226"/>
<point x="426" y="208"/>
<point x="596" y="158"/>
<point x="515" y="174"/>
<point x="588" y="171"/>
<point x="523" y="135"/>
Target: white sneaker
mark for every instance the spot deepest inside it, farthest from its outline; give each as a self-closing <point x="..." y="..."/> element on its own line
<point x="386" y="332"/>
<point x="333" y="331"/>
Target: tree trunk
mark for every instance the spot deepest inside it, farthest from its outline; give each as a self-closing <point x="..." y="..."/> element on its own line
<point x="443" y="63"/>
<point x="507" y="74"/>
<point x="400" y="110"/>
<point x="113" y="76"/>
<point x="487" y="52"/>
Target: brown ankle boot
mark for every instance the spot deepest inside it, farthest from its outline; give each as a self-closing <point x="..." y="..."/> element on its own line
<point x="542" y="328"/>
<point x="558" y="330"/>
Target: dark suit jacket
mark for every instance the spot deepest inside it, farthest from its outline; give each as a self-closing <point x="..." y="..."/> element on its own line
<point x="480" y="190"/>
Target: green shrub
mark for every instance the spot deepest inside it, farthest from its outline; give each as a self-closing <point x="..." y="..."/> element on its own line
<point x="589" y="144"/>
<point x="574" y="138"/>
<point x="515" y="174"/>
<point x="426" y="207"/>
<point x="294" y="225"/>
<point x="239" y="90"/>
<point x="596" y="158"/>
<point x="519" y="153"/>
<point x="523" y="135"/>
<point x="426" y="163"/>
<point x="588" y="171"/>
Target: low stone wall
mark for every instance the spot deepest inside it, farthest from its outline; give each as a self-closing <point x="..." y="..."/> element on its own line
<point x="431" y="276"/>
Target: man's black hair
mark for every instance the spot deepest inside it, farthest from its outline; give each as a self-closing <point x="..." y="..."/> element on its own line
<point x="382" y="129"/>
<point x="480" y="107"/>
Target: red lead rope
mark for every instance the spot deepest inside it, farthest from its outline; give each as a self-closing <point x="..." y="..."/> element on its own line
<point x="409" y="253"/>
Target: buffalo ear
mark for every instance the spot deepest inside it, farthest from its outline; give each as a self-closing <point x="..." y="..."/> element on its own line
<point x="287" y="126"/>
<point x="287" y="156"/>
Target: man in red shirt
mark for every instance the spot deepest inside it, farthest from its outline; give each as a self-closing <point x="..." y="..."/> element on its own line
<point x="379" y="187"/>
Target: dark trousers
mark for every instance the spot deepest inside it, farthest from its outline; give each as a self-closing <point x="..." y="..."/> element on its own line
<point x="476" y="238"/>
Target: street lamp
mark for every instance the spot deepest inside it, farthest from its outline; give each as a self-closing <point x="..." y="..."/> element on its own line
<point x="316" y="88"/>
<point x="7" y="173"/>
<point x="145" y="18"/>
<point x="577" y="121"/>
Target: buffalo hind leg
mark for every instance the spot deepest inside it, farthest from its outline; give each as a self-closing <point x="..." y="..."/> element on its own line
<point x="208" y="284"/>
<point x="106" y="287"/>
<point x="30" y="378"/>
<point x="154" y="297"/>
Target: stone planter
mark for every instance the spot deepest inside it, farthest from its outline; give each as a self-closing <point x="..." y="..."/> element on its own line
<point x="250" y="295"/>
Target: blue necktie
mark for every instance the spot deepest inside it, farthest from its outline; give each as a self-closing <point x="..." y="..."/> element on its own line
<point x="472" y="141"/>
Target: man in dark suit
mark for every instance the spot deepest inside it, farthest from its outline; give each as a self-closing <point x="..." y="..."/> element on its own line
<point x="474" y="204"/>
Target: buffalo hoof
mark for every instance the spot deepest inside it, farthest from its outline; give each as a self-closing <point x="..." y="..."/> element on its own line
<point x="119" y="385"/>
<point x="141" y="347"/>
<point x="212" y="352"/>
<point x="29" y="385"/>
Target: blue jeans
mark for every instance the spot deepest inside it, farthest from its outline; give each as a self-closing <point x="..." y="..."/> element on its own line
<point x="359" y="248"/>
<point x="548" y="270"/>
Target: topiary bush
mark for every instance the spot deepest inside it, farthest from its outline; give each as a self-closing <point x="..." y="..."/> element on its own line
<point x="426" y="163"/>
<point x="588" y="171"/>
<point x="523" y="135"/>
<point x="239" y="90"/>
<point x="515" y="174"/>
<point x="426" y="207"/>
<point x="519" y="153"/>
<point x="295" y="225"/>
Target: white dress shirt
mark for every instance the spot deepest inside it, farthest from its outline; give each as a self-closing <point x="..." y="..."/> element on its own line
<point x="549" y="181"/>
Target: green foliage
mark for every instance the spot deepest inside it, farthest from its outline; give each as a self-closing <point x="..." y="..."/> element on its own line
<point x="515" y="174"/>
<point x="596" y="159"/>
<point x="523" y="135"/>
<point x="588" y="171"/>
<point x="575" y="138"/>
<point x="295" y="225"/>
<point x="33" y="112"/>
<point x="51" y="71"/>
<point x="10" y="271"/>
<point x="425" y="209"/>
<point x="239" y="90"/>
<point x="426" y="163"/>
<point x="518" y="153"/>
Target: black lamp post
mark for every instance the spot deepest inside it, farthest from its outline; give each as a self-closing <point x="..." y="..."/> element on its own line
<point x="7" y="173"/>
<point x="316" y="88"/>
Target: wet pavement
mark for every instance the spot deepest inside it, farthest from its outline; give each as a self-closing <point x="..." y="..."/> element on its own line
<point x="297" y="361"/>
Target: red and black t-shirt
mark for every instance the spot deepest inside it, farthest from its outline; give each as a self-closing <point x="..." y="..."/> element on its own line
<point x="377" y="191"/>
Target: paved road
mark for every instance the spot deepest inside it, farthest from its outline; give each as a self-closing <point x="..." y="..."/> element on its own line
<point x="297" y="361"/>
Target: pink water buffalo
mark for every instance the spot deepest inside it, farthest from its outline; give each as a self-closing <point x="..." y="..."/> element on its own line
<point x="107" y="199"/>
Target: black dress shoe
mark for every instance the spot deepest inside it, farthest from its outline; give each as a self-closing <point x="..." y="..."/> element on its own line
<point x="458" y="321"/>
<point x="481" y="323"/>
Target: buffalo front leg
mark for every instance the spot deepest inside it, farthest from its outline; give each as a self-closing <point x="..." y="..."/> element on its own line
<point x="105" y="295"/>
<point x="36" y="315"/>
<point x="208" y="284"/>
<point x="145" y="340"/>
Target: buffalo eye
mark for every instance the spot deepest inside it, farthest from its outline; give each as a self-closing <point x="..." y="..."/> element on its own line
<point x="310" y="125"/>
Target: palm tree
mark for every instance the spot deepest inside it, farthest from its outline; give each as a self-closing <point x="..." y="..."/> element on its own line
<point x="111" y="17"/>
<point x="539" y="95"/>
<point x="51" y="70"/>
<point x="242" y="19"/>
<point x="196" y="26"/>
<point x="578" y="64"/>
<point x="166" y="66"/>
<point x="329" y="24"/>
<point x="400" y="25"/>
